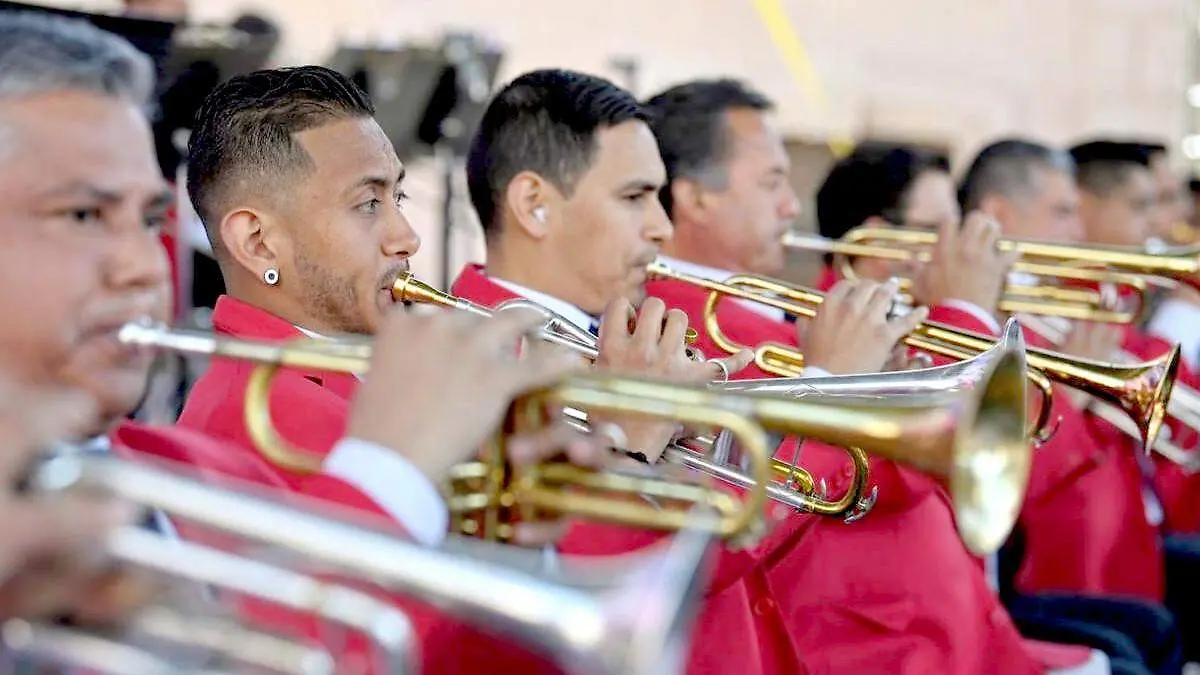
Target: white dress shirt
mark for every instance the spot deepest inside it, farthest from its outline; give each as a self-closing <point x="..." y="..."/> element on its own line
<point x="577" y="317"/>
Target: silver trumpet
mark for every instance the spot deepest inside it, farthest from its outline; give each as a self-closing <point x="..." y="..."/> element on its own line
<point x="164" y="639"/>
<point x="639" y="625"/>
<point x="964" y="422"/>
<point x="969" y="428"/>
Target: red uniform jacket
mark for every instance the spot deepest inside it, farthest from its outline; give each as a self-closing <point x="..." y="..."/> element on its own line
<point x="851" y="605"/>
<point x="1083" y="524"/>
<point x="740" y="628"/>
<point x="1178" y="490"/>
<point x="310" y="410"/>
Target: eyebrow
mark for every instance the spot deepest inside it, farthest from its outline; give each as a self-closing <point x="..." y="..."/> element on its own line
<point x="640" y="185"/>
<point x="162" y="198"/>
<point x="377" y="181"/>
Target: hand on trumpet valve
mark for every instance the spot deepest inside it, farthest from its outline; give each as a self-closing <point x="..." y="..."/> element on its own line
<point x="965" y="265"/>
<point x="654" y="342"/>
<point x="854" y="331"/>
<point x="458" y="367"/>
<point x="49" y="567"/>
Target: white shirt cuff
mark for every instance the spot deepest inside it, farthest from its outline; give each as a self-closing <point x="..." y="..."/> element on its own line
<point x="976" y="311"/>
<point x="395" y="484"/>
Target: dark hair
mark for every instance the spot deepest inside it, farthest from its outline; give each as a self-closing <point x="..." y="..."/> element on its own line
<point x="874" y="181"/>
<point x="689" y="121"/>
<point x="243" y="132"/>
<point x="1008" y="168"/>
<point x="544" y="121"/>
<point x="1104" y="165"/>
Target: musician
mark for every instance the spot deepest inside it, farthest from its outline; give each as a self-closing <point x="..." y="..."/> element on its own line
<point x="1119" y="198"/>
<point x="727" y="192"/>
<point x="82" y="199"/>
<point x="1175" y="317"/>
<point x="883" y="185"/>
<point x="563" y="173"/>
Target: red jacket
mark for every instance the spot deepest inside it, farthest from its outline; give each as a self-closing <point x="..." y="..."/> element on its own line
<point x="848" y="608"/>
<point x="873" y="616"/>
<point x="310" y="410"/>
<point x="740" y="628"/>
<point x="1083" y="520"/>
<point x="1178" y="490"/>
<point x="1083" y="525"/>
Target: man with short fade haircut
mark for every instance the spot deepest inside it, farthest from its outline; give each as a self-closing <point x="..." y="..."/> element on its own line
<point x="1029" y="188"/>
<point x="564" y="175"/>
<point x="730" y="200"/>
<point x="1117" y="192"/>
<point x="728" y="189"/>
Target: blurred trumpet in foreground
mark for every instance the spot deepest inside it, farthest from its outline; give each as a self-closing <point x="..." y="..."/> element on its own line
<point x="487" y="497"/>
<point x="639" y="625"/>
<point x="1140" y="390"/>
<point x="1047" y="299"/>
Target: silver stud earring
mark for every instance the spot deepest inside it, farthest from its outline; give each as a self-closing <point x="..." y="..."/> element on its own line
<point x="271" y="276"/>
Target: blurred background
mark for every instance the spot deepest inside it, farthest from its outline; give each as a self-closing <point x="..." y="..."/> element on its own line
<point x="947" y="74"/>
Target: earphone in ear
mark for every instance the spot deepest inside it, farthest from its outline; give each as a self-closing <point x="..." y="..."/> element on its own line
<point x="540" y="214"/>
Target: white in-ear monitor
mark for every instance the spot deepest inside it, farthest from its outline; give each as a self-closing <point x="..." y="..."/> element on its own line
<point x="540" y="214"/>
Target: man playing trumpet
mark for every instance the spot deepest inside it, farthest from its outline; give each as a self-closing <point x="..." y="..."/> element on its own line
<point x="83" y="199"/>
<point x="730" y="201"/>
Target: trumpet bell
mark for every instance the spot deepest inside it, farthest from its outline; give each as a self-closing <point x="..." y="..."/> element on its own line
<point x="964" y="423"/>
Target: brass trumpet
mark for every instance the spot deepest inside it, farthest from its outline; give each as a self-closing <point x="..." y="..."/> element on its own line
<point x="1179" y="264"/>
<point x="1141" y="390"/>
<point x="1183" y="403"/>
<point x="640" y="624"/>
<point x="486" y="496"/>
<point x="556" y="329"/>
<point x="1048" y="300"/>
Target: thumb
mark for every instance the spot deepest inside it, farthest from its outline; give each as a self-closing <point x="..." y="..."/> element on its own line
<point x="909" y="322"/>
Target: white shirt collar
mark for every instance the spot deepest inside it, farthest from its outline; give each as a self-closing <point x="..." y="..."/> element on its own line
<point x="578" y="318"/>
<point x="715" y="274"/>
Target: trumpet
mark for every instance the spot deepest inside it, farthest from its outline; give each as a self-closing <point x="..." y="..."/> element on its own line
<point x="1140" y="390"/>
<point x="1081" y="304"/>
<point x="1179" y="264"/>
<point x="969" y="428"/>
<point x="556" y="329"/>
<point x="962" y="422"/>
<point x="1183" y="403"/>
<point x="485" y="497"/>
<point x="639" y="625"/>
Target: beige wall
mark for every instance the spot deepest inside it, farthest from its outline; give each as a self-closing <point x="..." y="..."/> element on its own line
<point x="951" y="72"/>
